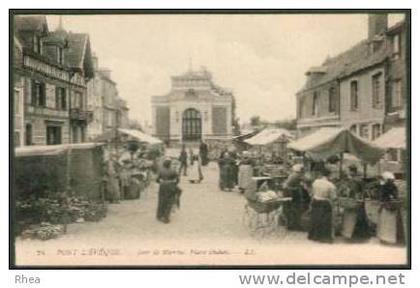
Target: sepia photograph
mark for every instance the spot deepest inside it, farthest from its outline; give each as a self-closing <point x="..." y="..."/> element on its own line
<point x="210" y="138"/>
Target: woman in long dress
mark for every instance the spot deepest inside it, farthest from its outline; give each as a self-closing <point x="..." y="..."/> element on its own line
<point x="390" y="225"/>
<point x="125" y="175"/>
<point x="227" y="179"/>
<point x="300" y="198"/>
<point x="112" y="185"/>
<point x="196" y="175"/>
<point x="323" y="196"/>
<point x="355" y="221"/>
<point x="168" y="189"/>
<point x="245" y="172"/>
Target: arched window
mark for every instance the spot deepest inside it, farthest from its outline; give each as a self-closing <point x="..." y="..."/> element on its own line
<point x="191" y="125"/>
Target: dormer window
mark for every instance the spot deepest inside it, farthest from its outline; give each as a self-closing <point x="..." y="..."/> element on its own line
<point x="396" y="46"/>
<point x="37" y="44"/>
<point x="60" y="55"/>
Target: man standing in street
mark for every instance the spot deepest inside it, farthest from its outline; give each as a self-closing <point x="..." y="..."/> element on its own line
<point x="203" y="152"/>
<point x="183" y="159"/>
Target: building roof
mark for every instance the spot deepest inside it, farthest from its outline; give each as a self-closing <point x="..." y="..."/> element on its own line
<point x="396" y="27"/>
<point x="357" y="58"/>
<point x="31" y="23"/>
<point x="56" y="37"/>
<point x="102" y="73"/>
<point x="191" y="74"/>
<point x="78" y="55"/>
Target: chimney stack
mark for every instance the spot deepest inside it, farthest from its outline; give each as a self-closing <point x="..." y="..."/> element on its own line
<point x="377" y="24"/>
<point x="106" y="72"/>
<point x="95" y="61"/>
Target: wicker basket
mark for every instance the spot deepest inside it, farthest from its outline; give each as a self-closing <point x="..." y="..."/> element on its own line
<point x="372" y="210"/>
<point x="350" y="203"/>
<point x="264" y="207"/>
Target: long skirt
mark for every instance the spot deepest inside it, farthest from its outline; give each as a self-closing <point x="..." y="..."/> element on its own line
<point x="390" y="227"/>
<point x="244" y="176"/>
<point x="134" y="189"/>
<point x="355" y="224"/>
<point x="295" y="208"/>
<point x="227" y="180"/>
<point x="294" y="212"/>
<point x="113" y="189"/>
<point x="167" y="194"/>
<point x="321" y="224"/>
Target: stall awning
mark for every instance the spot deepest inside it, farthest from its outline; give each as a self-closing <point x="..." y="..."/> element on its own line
<point x="106" y="136"/>
<point x="268" y="136"/>
<point x="140" y="136"/>
<point x="327" y="142"/>
<point x="47" y="150"/>
<point x="394" y="138"/>
<point x="247" y="134"/>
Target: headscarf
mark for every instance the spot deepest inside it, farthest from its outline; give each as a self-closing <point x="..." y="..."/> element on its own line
<point x="388" y="176"/>
<point x="297" y="168"/>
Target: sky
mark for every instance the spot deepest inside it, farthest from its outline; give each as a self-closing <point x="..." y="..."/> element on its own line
<point x="261" y="58"/>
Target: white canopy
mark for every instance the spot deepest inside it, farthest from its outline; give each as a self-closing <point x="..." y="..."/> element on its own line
<point x="140" y="136"/>
<point x="327" y="142"/>
<point x="394" y="138"/>
<point x="268" y="136"/>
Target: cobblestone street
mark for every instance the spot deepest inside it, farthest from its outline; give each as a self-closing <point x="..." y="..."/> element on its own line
<point x="207" y="229"/>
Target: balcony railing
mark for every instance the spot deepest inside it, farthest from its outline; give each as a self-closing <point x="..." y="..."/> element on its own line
<point x="45" y="111"/>
<point x="81" y="115"/>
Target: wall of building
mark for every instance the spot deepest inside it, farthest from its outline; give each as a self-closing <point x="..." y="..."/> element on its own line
<point x="94" y="104"/>
<point x="307" y="121"/>
<point x="367" y="114"/>
<point x="194" y="90"/>
<point x="41" y="117"/>
<point x="397" y="71"/>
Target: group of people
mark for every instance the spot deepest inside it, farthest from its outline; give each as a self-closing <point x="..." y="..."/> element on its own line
<point x="125" y="177"/>
<point x="237" y="169"/>
<point x="318" y="203"/>
<point x="194" y="161"/>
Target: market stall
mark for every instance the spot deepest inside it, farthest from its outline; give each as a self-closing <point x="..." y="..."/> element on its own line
<point x="240" y="141"/>
<point x="329" y="142"/>
<point x="57" y="185"/>
<point x="269" y="147"/>
<point x="395" y="144"/>
<point x="41" y="170"/>
<point x="271" y="139"/>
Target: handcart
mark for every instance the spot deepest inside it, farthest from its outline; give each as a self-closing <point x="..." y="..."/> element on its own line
<point x="266" y="218"/>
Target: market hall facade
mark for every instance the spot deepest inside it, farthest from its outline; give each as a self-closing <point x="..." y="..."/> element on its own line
<point x="195" y="109"/>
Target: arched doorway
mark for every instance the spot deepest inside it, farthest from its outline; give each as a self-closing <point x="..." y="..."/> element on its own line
<point x="191" y="125"/>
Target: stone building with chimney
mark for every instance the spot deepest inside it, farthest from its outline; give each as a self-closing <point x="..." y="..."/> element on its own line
<point x="109" y="110"/>
<point x="195" y="109"/>
<point x="363" y="88"/>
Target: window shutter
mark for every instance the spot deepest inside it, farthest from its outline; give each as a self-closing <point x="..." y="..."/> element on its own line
<point x="64" y="98"/>
<point x="57" y="98"/>
<point x="33" y="93"/>
<point x="42" y="98"/>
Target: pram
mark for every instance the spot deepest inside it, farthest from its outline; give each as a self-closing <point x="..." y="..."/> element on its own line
<point x="264" y="218"/>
